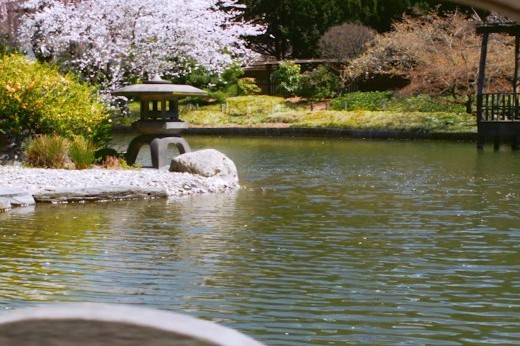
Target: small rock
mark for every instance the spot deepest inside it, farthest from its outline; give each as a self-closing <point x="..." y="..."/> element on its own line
<point x="5" y="204"/>
<point x="207" y="163"/>
<point x="16" y="197"/>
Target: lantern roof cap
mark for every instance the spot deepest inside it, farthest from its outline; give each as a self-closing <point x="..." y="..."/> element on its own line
<point x="157" y="80"/>
<point x="158" y="87"/>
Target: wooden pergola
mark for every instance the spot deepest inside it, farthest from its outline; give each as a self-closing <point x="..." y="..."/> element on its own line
<point x="498" y="113"/>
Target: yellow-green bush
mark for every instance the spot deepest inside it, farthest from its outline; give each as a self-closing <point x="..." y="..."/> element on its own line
<point x="53" y="151"/>
<point x="36" y="99"/>
<point x="247" y="86"/>
<point x="82" y="152"/>
<point x="47" y="151"/>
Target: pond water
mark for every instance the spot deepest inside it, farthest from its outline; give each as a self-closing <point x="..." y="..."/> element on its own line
<point x="329" y="242"/>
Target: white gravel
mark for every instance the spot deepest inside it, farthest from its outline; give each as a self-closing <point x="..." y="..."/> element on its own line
<point x="35" y="180"/>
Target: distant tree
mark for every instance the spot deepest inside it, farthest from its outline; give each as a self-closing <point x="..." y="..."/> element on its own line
<point x="294" y="27"/>
<point x="342" y="43"/>
<point x="346" y="41"/>
<point x="380" y="14"/>
<point x="437" y="54"/>
<point x="319" y="83"/>
<point x="286" y="78"/>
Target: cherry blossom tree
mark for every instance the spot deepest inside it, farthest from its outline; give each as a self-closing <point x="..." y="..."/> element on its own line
<point x="113" y="42"/>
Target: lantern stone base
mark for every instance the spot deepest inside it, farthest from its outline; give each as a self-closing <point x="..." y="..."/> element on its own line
<point x="160" y="127"/>
<point x="158" y="148"/>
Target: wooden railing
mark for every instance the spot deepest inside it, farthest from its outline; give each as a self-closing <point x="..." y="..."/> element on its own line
<point x="499" y="107"/>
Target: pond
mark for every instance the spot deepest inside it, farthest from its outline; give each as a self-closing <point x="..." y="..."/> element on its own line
<point x="329" y="242"/>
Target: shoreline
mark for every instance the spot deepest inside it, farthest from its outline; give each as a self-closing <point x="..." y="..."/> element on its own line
<point x="286" y="131"/>
<point x="67" y="186"/>
<point x="330" y="133"/>
<point x="21" y="186"/>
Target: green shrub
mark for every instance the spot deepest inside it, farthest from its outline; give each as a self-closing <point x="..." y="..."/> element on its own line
<point x="425" y="103"/>
<point x="286" y="79"/>
<point x="36" y="99"/>
<point x="384" y="101"/>
<point x="247" y="86"/>
<point x="101" y="154"/>
<point x="213" y="97"/>
<point x="115" y="162"/>
<point x="53" y="151"/>
<point x="47" y="151"/>
<point x="318" y="83"/>
<point x="225" y="82"/>
<point x="367" y="101"/>
<point x="217" y="96"/>
<point x="82" y="152"/>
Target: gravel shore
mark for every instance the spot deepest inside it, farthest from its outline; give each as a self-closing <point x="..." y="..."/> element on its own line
<point x="37" y="180"/>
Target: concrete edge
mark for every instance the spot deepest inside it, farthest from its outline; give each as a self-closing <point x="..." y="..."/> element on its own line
<point x="99" y="194"/>
<point x="330" y="133"/>
<point x="174" y="323"/>
<point x="95" y="194"/>
<point x="317" y="132"/>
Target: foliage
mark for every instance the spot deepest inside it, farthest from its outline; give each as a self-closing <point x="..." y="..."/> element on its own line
<point x="82" y="152"/>
<point x="345" y="42"/>
<point x="109" y="42"/>
<point x="424" y="103"/>
<point x="114" y="162"/>
<point x="47" y="151"/>
<point x="386" y="101"/>
<point x="294" y="27"/>
<point x="247" y="86"/>
<point x="418" y="122"/>
<point x="286" y="78"/>
<point x="101" y="154"/>
<point x="319" y="83"/>
<point x="193" y="102"/>
<point x="269" y="111"/>
<point x="53" y="151"/>
<point x="109" y="158"/>
<point x="206" y="79"/>
<point x="381" y="14"/>
<point x="438" y="55"/>
<point x="342" y="43"/>
<point x="36" y="99"/>
<point x="216" y="97"/>
<point x="367" y="101"/>
<point x="236" y="110"/>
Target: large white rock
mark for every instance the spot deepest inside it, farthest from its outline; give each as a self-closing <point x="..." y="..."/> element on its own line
<point x="207" y="163"/>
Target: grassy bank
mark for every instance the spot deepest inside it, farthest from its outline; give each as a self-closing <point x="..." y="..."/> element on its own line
<point x="268" y="111"/>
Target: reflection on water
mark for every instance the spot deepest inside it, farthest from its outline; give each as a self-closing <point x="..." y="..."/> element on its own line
<point x="329" y="242"/>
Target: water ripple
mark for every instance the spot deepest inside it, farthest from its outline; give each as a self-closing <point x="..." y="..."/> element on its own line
<point x="331" y="243"/>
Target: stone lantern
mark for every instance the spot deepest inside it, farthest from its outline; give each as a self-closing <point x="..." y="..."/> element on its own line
<point x="159" y="124"/>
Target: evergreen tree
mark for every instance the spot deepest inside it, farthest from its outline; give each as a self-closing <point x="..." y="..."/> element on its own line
<point x="294" y="27"/>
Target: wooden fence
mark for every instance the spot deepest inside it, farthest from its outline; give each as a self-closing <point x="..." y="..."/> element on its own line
<point x="496" y="107"/>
